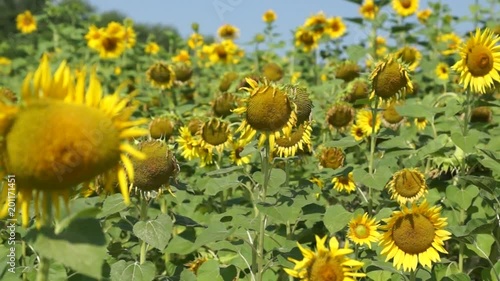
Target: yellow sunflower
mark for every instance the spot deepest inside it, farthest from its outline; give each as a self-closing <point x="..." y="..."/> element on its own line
<point x="182" y="56"/>
<point x="94" y="36"/>
<point x="226" y="52"/>
<point x="424" y="15"/>
<point x="236" y="148"/>
<point x="269" y="16"/>
<point x="228" y="31"/>
<point x="215" y="134"/>
<point x="407" y="185"/>
<point x="326" y="264"/>
<point x="452" y="42"/>
<point x="344" y="183"/>
<point x="188" y="144"/>
<point x="161" y="75"/>
<point x="364" y="119"/>
<point x="195" y="40"/>
<point x="363" y="230"/>
<point x="340" y="115"/>
<point x="82" y="134"/>
<point x="358" y="133"/>
<point x="390" y="79"/>
<point x="317" y="24"/>
<point x="26" y="22"/>
<point x="368" y="10"/>
<point x="409" y="56"/>
<point x="414" y="235"/>
<point x="335" y="27"/>
<point x="421" y="123"/>
<point x="306" y="39"/>
<point x="268" y="110"/>
<point x="405" y="8"/>
<point x="152" y="48"/>
<point x="299" y="140"/>
<point x="442" y="71"/>
<point x="332" y="157"/>
<point x="113" y="41"/>
<point x="480" y="61"/>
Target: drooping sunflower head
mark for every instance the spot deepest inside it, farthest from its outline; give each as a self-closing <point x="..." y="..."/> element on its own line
<point x="364" y="119"/>
<point x="228" y="31"/>
<point x="300" y="97"/>
<point x="409" y="56"/>
<point x="481" y="114"/>
<point x="344" y="183"/>
<point x="363" y="230"/>
<point x="414" y="236"/>
<point x="306" y="39"/>
<point x="156" y="169"/>
<point x="224" y="104"/>
<point x="227" y="80"/>
<point x="390" y="116"/>
<point x="272" y="71"/>
<point x="347" y="71"/>
<point x="161" y="128"/>
<point x="183" y="71"/>
<point x="357" y="89"/>
<point x="340" y="115"/>
<point x="81" y="132"/>
<point x="479" y="66"/>
<point x="325" y="264"/>
<point x="405" y="8"/>
<point x="298" y="141"/>
<point x="390" y="79"/>
<point x="215" y="134"/>
<point x="161" y="75"/>
<point x="268" y="110"/>
<point x="332" y="157"/>
<point x="368" y="10"/>
<point x="407" y="185"/>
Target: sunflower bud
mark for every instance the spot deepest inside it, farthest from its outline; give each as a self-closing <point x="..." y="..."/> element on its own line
<point x="224" y="104"/>
<point x="347" y="71"/>
<point x="183" y="72"/>
<point x="340" y="115"/>
<point x="272" y="71"/>
<point x="227" y="80"/>
<point x="161" y="128"/>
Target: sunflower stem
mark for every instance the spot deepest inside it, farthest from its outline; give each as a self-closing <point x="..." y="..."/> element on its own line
<point x="413" y="275"/>
<point x="43" y="269"/>
<point x="266" y="172"/>
<point x="143" y="217"/>
<point x="373" y="140"/>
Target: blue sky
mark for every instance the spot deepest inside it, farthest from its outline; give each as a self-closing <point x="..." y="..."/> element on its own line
<point x="245" y="14"/>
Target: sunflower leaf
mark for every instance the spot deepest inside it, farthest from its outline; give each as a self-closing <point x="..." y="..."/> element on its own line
<point x="336" y="218"/>
<point x="132" y="271"/>
<point x="155" y="232"/>
<point x="462" y="197"/>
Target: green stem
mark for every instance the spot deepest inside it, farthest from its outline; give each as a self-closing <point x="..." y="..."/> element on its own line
<point x="143" y="217"/>
<point x="43" y="269"/>
<point x="373" y="141"/>
<point x="461" y="256"/>
<point x="266" y="172"/>
<point x="24" y="260"/>
<point x="468" y="105"/>
<point x="413" y="275"/>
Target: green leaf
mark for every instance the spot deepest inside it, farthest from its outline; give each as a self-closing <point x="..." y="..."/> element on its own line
<point x="188" y="275"/>
<point x="276" y="179"/>
<point x="432" y="146"/>
<point x="81" y="246"/>
<point x="112" y="204"/>
<point x="132" y="271"/>
<point x="209" y="270"/>
<point x="336" y="218"/>
<point x="85" y="213"/>
<point x="356" y="52"/>
<point x="462" y="197"/>
<point x="379" y="275"/>
<point x="342" y="143"/>
<point x="482" y="245"/>
<point x="155" y="232"/>
<point x="457" y="277"/>
<point x="215" y="232"/>
<point x="213" y="186"/>
<point x="415" y="110"/>
<point x="376" y="181"/>
<point x="466" y="143"/>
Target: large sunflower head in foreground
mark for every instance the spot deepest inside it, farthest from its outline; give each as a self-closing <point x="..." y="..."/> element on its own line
<point x="479" y="66"/>
<point x="326" y="263"/>
<point x="414" y="235"/>
<point x="269" y="110"/>
<point x="82" y="134"/>
<point x="390" y="79"/>
<point x="407" y="185"/>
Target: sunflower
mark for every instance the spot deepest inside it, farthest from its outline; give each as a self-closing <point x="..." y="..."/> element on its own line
<point x="188" y="144"/>
<point x="317" y="24"/>
<point x="442" y="71"/>
<point x="390" y="79"/>
<point x="228" y="31"/>
<point x="480" y="64"/>
<point x="364" y="119"/>
<point x="183" y="71"/>
<point x="269" y="16"/>
<point x="156" y="170"/>
<point x="152" y="48"/>
<point x="237" y="148"/>
<point x="409" y="56"/>
<point x="272" y="71"/>
<point x="182" y="56"/>
<point x="340" y="115"/>
<point x="94" y="36"/>
<point x="195" y="40"/>
<point x="358" y="133"/>
<point x="344" y="183"/>
<point x="224" y="104"/>
<point x="82" y="134"/>
<point x="161" y="75"/>
<point x="326" y="264"/>
<point x="414" y="235"/>
<point x="161" y="128"/>
<point x="391" y="117"/>
<point x="405" y="8"/>
<point x="215" y="134"/>
<point x="421" y="123"/>
<point x="26" y="22"/>
<point x="306" y="39"/>
<point x="424" y="15"/>
<point x="357" y="89"/>
<point x="481" y="114"/>
<point x="268" y="110"/>
<point x="452" y="42"/>
<point x="368" y="10"/>
<point x="332" y="157"/>
<point x="347" y="71"/>
<point x="226" y="52"/>
<point x="407" y="185"/>
<point x="113" y="41"/>
<point x="299" y="140"/>
<point x="363" y="230"/>
<point x="335" y="27"/>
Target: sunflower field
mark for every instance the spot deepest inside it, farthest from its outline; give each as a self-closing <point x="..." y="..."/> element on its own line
<point x="133" y="153"/>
